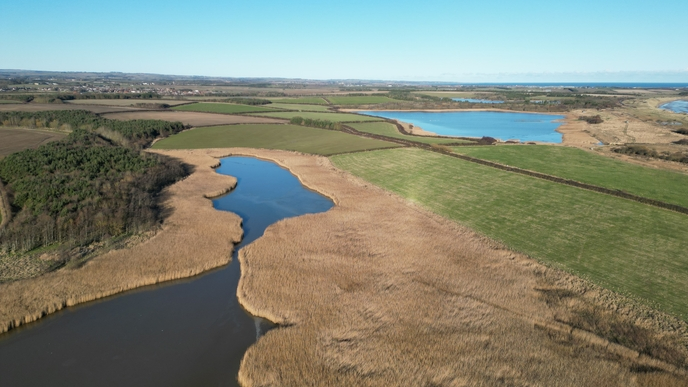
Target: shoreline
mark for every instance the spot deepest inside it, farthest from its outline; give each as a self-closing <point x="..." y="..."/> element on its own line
<point x="171" y="254"/>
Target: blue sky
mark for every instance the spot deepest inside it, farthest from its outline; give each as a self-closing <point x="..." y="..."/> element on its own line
<point x="392" y="40"/>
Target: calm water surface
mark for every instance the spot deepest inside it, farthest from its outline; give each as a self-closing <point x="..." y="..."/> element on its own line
<point x="183" y="333"/>
<point x="676" y="106"/>
<point x="501" y="125"/>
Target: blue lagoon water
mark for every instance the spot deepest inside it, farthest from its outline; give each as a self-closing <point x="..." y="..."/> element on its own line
<point x="473" y="100"/>
<point x="191" y="332"/>
<point x="679" y="106"/>
<point x="501" y="125"/>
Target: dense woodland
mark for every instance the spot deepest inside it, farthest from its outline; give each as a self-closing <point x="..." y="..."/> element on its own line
<point x="94" y="184"/>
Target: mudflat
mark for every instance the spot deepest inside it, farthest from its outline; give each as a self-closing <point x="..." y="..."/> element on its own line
<point x="193" y="226"/>
<point x="380" y="292"/>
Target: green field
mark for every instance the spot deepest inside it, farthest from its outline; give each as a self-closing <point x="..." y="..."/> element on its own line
<point x="390" y="130"/>
<point x="225" y="108"/>
<point x="626" y="246"/>
<point x="8" y="101"/>
<point x="271" y="136"/>
<point x="587" y="167"/>
<point x="300" y="100"/>
<point x="359" y="100"/>
<point x="334" y="117"/>
<point x="299" y="107"/>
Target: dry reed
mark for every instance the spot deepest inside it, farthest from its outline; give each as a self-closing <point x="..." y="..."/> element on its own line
<point x="379" y="292"/>
<point x="194" y="238"/>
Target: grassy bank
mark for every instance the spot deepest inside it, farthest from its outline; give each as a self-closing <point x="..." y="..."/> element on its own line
<point x="587" y="167"/>
<point x="626" y="246"/>
<point x="224" y="108"/>
<point x="268" y="136"/>
<point x="390" y="130"/>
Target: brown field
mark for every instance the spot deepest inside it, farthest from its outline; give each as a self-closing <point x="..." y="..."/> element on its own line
<point x="193" y="226"/>
<point x="125" y="102"/>
<point x="379" y="292"/>
<point x="17" y="139"/>
<point x="193" y="118"/>
<point x="38" y="107"/>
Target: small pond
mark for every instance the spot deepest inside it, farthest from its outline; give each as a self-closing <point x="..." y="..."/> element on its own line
<point x="501" y="125"/>
<point x="183" y="333"/>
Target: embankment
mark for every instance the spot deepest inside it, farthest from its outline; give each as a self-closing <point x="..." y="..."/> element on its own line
<point x="194" y="238"/>
<point x="380" y="292"/>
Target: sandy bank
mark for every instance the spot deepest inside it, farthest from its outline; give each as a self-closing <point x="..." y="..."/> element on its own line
<point x="379" y="292"/>
<point x="193" y="239"/>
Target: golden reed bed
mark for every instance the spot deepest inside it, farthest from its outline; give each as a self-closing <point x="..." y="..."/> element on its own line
<point x="194" y="238"/>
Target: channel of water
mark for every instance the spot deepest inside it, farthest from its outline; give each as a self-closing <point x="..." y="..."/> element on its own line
<point x="183" y="333"/>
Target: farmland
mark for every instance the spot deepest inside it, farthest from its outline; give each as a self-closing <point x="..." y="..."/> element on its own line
<point x="300" y="100"/>
<point x="333" y="117"/>
<point x="359" y="100"/>
<point x="285" y="137"/>
<point x="191" y="118"/>
<point x="224" y="108"/>
<point x="626" y="246"/>
<point x="591" y="168"/>
<point x="126" y="102"/>
<point x="17" y="139"/>
<point x="390" y="130"/>
<point x="300" y="107"/>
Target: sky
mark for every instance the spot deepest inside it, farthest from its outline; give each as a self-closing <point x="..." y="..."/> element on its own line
<point x="431" y="40"/>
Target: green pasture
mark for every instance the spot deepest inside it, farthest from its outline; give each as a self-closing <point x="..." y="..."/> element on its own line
<point x="271" y="136"/>
<point x="225" y="108"/>
<point x="300" y="100"/>
<point x="333" y="117"/>
<point x="359" y="100"/>
<point x="629" y="247"/>
<point x="587" y="167"/>
<point x="299" y="107"/>
<point x="390" y="130"/>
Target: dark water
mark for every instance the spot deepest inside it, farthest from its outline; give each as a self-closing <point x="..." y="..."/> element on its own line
<point x="183" y="333"/>
<point x="472" y="100"/>
<point x="501" y="125"/>
<point x="679" y="106"/>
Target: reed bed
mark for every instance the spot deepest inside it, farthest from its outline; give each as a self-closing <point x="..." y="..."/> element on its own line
<point x="194" y="238"/>
<point x="380" y="292"/>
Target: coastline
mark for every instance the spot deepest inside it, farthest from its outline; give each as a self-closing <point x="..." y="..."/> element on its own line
<point x="193" y="226"/>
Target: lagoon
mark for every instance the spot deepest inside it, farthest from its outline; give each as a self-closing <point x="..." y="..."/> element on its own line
<point x="179" y="333"/>
<point x="501" y="125"/>
<point x="679" y="106"/>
